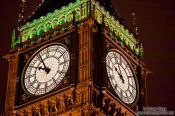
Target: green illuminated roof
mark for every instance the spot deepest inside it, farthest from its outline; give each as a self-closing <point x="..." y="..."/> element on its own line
<point x="51" y="5"/>
<point x="39" y="24"/>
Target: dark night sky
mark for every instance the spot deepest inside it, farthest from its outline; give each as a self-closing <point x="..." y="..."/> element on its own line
<point x="156" y="22"/>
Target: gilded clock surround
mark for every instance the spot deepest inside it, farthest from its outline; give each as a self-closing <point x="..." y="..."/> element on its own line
<point x="26" y="54"/>
<point x="34" y="55"/>
<point x="133" y="73"/>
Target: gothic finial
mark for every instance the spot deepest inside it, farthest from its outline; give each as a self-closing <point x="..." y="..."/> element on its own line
<point x="23" y="1"/>
<point x="13" y="38"/>
<point x="135" y="28"/>
<point x="22" y="7"/>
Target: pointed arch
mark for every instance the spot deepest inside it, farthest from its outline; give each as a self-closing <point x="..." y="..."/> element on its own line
<point x="40" y="30"/>
<point x="32" y="34"/>
<point x="47" y="26"/>
<point x="54" y="23"/>
<point x="78" y="14"/>
<point x="62" y="20"/>
<point x="69" y="16"/>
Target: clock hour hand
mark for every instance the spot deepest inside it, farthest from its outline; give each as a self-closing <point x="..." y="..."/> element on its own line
<point x="116" y="69"/>
<point x="38" y="68"/>
<point x="120" y="75"/>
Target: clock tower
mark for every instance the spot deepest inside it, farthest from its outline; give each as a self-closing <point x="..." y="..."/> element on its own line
<point x="75" y="58"/>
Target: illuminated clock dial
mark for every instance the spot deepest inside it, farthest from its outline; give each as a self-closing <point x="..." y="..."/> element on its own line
<point x="121" y="77"/>
<point x="46" y="69"/>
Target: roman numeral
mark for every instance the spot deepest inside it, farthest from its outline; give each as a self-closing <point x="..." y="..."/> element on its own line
<point x="33" y="75"/>
<point x="130" y="76"/>
<point x="109" y="67"/>
<point x="132" y="86"/>
<point x="45" y="87"/>
<point x="47" y="52"/>
<point x="115" y="58"/>
<point x="54" y="81"/>
<point x="131" y="94"/>
<point x="127" y="97"/>
<point x="34" y="82"/>
<point x="61" y="71"/>
<point x="126" y="67"/>
<point x="62" y="54"/>
<point x="31" y="83"/>
<point x="56" y="50"/>
<point x="63" y="62"/>
<point x="37" y="87"/>
<point x="121" y="94"/>
<point x="116" y="86"/>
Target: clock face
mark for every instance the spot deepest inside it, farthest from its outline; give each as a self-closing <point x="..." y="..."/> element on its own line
<point x="121" y="77"/>
<point x="46" y="69"/>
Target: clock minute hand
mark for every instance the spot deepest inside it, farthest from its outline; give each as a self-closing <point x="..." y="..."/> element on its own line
<point x="119" y="69"/>
<point x="120" y="75"/>
<point x="47" y="70"/>
<point x="40" y="58"/>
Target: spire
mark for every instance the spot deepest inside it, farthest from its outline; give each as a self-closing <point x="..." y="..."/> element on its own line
<point x="135" y="27"/>
<point x="109" y="7"/>
<point x="22" y="8"/>
<point x="136" y="32"/>
<point x="13" y="38"/>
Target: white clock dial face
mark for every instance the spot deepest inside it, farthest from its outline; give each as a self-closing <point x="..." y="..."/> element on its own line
<point x="121" y="77"/>
<point x="46" y="69"/>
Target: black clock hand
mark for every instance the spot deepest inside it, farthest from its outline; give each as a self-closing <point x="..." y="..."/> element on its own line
<point x="119" y="73"/>
<point x="116" y="68"/>
<point x="119" y="69"/>
<point x="47" y="70"/>
<point x="38" y="68"/>
<point x="121" y="77"/>
<point x="40" y="58"/>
